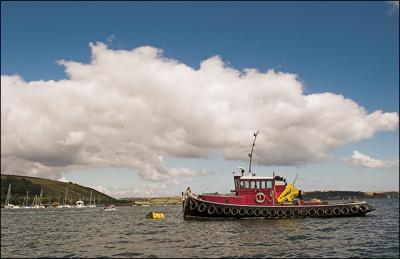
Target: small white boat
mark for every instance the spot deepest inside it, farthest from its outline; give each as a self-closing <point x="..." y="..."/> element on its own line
<point x="80" y="204"/>
<point x="109" y="208"/>
<point x="38" y="207"/>
<point x="64" y="206"/>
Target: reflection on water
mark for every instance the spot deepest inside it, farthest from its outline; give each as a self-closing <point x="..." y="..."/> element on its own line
<point x="126" y="232"/>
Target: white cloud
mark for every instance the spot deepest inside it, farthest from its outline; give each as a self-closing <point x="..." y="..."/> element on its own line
<point x="143" y="189"/>
<point x="63" y="179"/>
<point x="131" y="108"/>
<point x="360" y="160"/>
<point x="102" y="189"/>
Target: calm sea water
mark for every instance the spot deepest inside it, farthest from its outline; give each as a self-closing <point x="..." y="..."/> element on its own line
<point x="91" y="232"/>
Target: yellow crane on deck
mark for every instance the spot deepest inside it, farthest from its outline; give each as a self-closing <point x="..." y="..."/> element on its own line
<point x="289" y="193"/>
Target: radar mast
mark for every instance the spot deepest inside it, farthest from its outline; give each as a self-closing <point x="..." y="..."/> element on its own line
<point x="252" y="148"/>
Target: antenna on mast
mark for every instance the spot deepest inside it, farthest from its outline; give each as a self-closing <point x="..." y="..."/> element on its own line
<point x="252" y="147"/>
<point x="295" y="178"/>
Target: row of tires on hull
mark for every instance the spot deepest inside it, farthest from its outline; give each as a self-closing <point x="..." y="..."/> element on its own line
<point x="206" y="209"/>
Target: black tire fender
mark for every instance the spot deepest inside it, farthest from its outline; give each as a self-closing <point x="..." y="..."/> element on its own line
<point x="336" y="211"/>
<point x="227" y="210"/>
<point x="235" y="211"/>
<point x="354" y="209"/>
<point x="202" y="207"/>
<point x="193" y="205"/>
<point x="328" y="211"/>
<point x="211" y="209"/>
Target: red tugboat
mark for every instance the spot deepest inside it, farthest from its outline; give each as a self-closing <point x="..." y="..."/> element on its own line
<point x="265" y="197"/>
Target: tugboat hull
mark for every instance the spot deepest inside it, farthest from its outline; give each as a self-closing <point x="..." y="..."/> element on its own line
<point x="195" y="207"/>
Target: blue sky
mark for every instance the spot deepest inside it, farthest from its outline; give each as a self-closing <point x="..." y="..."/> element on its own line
<point x="349" y="49"/>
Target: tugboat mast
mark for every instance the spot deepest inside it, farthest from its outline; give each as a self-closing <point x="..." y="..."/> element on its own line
<point x="252" y="147"/>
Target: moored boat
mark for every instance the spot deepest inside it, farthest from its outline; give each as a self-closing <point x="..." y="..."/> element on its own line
<point x="65" y="205"/>
<point x="265" y="197"/>
<point x="8" y="204"/>
<point x="80" y="204"/>
<point x="110" y="207"/>
<point x="90" y="202"/>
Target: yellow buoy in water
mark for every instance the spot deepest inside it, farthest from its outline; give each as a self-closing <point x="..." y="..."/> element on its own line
<point x="155" y="215"/>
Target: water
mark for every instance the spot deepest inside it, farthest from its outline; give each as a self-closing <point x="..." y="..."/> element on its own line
<point x="91" y="232"/>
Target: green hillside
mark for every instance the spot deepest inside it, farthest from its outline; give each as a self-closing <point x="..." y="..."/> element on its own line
<point x="51" y="191"/>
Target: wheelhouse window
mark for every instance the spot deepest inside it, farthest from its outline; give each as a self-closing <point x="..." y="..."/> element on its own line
<point x="253" y="184"/>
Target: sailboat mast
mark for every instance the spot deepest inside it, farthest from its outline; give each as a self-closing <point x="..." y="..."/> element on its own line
<point x="27" y="198"/>
<point x="65" y="198"/>
<point x="252" y="148"/>
<point x="8" y="198"/>
<point x="40" y="197"/>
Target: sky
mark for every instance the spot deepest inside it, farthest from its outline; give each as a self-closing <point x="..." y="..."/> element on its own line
<point x="142" y="99"/>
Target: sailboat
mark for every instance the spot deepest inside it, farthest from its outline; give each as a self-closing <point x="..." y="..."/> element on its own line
<point x="8" y="204"/>
<point x="90" y="202"/>
<point x="34" y="202"/>
<point x="65" y="200"/>
<point x="40" y="205"/>
<point x="25" y="205"/>
<point x="38" y="202"/>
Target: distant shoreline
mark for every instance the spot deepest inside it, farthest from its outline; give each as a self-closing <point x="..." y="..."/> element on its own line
<point x="55" y="191"/>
